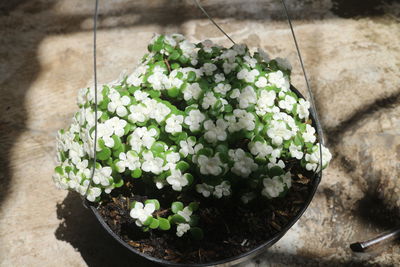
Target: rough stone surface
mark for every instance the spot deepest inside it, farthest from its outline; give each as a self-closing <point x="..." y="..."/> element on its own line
<point x="352" y="55"/>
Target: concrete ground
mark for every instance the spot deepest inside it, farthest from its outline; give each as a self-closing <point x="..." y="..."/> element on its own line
<point x="352" y="55"/>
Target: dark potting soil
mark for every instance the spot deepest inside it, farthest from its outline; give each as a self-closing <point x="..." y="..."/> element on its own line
<point x="230" y="228"/>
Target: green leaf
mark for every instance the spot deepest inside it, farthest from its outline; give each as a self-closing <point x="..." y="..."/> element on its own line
<point x="136" y="173"/>
<point x="173" y="92"/>
<point x="177" y="219"/>
<point x="191" y="76"/>
<point x="175" y="66"/>
<point x="154" y="201"/>
<point x="154" y="223"/>
<point x="117" y="142"/>
<point x="59" y="170"/>
<point x="104" y="154"/>
<point x="174" y="55"/>
<point x="176" y="206"/>
<point x="148" y="221"/>
<point x="164" y="224"/>
<point x="193" y="206"/>
<point x="194" y="220"/>
<point x="276" y="171"/>
<point x="158" y="147"/>
<point x="196" y="233"/>
<point x="189" y="178"/>
<point x="182" y="165"/>
<point x="119" y="183"/>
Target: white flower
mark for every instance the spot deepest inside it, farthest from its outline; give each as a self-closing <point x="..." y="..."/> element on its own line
<point x="223" y="189"/>
<point x="158" y="78"/>
<point x="244" y="164"/>
<point x="139" y="113"/>
<point x="210" y="166"/>
<point x="222" y="88"/>
<point x="117" y="125"/>
<point x="259" y="149"/>
<point x="142" y="137"/>
<point x="174" y="124"/>
<point x="272" y="187"/>
<point x="128" y="160"/>
<point x="287" y="103"/>
<point x="265" y="103"/>
<point x="192" y="91"/>
<point x="241" y="119"/>
<point x="187" y="48"/>
<point x="93" y="193"/>
<point x="140" y="96"/>
<point x="204" y="189"/>
<point x="209" y="68"/>
<point x="209" y="100"/>
<point x="172" y="158"/>
<point x="229" y="55"/>
<point x="261" y="82"/>
<point x="250" y="61"/>
<point x="295" y="151"/>
<point x="177" y="180"/>
<point x="302" y="109"/>
<point x="158" y="111"/>
<point x="90" y="95"/>
<point x="151" y="163"/>
<point x="279" y="80"/>
<point x="247" y="197"/>
<point x="278" y="131"/>
<point x="185" y="213"/>
<point x="283" y="63"/>
<point x="61" y="181"/>
<point x="194" y="120"/>
<point x="196" y="149"/>
<point x="313" y="159"/>
<point x="229" y="67"/>
<point x="182" y="228"/>
<point x="240" y="49"/>
<point x="136" y="78"/>
<point x="141" y="213"/>
<point x="247" y="96"/>
<point x="215" y="132"/>
<point x="235" y="93"/>
<point x="207" y="46"/>
<point x="118" y="103"/>
<point x="102" y="176"/>
<point x="219" y="77"/>
<point x="248" y="76"/>
<point x="75" y="179"/>
<point x="187" y="147"/>
<point x="309" y="134"/>
<point x="287" y="179"/>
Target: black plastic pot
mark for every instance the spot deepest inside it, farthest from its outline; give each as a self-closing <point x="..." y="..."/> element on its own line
<point x="233" y="260"/>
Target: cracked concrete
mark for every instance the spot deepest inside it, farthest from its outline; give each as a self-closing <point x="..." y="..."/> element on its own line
<point x="352" y="55"/>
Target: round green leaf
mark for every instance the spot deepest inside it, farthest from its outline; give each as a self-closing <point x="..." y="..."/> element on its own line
<point x="164" y="224"/>
<point x="104" y="154"/>
<point x="177" y="219"/>
<point x="196" y="233"/>
<point x="154" y="223"/>
<point x="136" y="173"/>
<point x="176" y="206"/>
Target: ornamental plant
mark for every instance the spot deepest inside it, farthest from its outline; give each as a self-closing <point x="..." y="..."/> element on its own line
<point x="193" y="121"/>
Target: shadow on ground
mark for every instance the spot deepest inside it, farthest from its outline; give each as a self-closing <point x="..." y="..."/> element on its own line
<point x="80" y="228"/>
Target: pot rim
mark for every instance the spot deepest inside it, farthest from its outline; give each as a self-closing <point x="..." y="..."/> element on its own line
<point x="231" y="260"/>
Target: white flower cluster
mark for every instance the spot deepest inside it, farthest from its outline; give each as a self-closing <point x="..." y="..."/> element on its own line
<point x="191" y="114"/>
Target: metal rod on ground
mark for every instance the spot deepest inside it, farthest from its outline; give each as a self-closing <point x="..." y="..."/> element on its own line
<point x="378" y="241"/>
